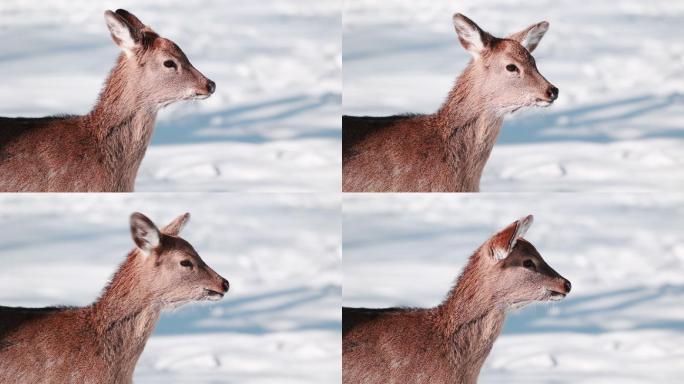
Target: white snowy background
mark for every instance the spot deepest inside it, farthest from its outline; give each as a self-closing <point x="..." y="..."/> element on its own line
<point x="273" y="123"/>
<point x="280" y="321"/>
<point x="617" y="125"/>
<point x="623" y="322"/>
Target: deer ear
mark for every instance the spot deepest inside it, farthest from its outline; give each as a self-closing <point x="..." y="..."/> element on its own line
<point x="472" y="38"/>
<point x="145" y="234"/>
<point x="503" y="242"/>
<point x="531" y="36"/>
<point x="123" y="34"/>
<point x="174" y="227"/>
<point x="132" y="20"/>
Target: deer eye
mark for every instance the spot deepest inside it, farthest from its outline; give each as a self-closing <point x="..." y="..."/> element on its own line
<point x="186" y="263"/>
<point x="529" y="264"/>
<point x="511" y="68"/>
<point x="170" y="64"/>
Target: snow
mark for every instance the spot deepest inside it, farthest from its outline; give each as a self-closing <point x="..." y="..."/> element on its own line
<point x="272" y="125"/>
<point x="619" y="65"/>
<point x="623" y="253"/>
<point x="280" y="321"/>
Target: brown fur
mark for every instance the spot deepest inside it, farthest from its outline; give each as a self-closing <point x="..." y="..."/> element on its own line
<point x="446" y="151"/>
<point x="100" y="151"/>
<point x="101" y="343"/>
<point x="448" y="343"/>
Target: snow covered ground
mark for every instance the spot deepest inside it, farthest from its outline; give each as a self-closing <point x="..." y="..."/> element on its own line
<point x="280" y="322"/>
<point x="273" y="123"/>
<point x="618" y="123"/>
<point x="623" y="322"/>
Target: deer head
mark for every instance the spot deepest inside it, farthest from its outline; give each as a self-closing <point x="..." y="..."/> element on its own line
<point x="155" y="67"/>
<point x="506" y="73"/>
<point x="169" y="268"/>
<point x="513" y="270"/>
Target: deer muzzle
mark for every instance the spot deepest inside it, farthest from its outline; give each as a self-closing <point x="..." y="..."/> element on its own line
<point x="560" y="290"/>
<point x="218" y="292"/>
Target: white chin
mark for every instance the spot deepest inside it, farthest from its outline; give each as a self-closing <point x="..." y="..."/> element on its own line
<point x="542" y="103"/>
<point x="551" y="296"/>
<point x="208" y="296"/>
<point x="519" y="305"/>
<point x="175" y="304"/>
<point x="507" y="110"/>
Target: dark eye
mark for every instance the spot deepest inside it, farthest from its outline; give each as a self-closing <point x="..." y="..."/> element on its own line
<point x="529" y="264"/>
<point x="511" y="68"/>
<point x="186" y="263"/>
<point x="170" y="64"/>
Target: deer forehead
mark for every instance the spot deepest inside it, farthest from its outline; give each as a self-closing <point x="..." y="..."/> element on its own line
<point x="522" y="249"/>
<point x="511" y="50"/>
<point x="165" y="46"/>
<point x="176" y="246"/>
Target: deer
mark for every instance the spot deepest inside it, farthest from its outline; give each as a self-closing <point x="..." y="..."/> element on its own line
<point x="102" y="150"/>
<point x="450" y="342"/>
<point x="101" y="343"/>
<point x="447" y="151"/>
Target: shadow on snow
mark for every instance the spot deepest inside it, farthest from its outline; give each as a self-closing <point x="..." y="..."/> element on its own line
<point x="616" y="114"/>
<point x="595" y="313"/>
<point x="242" y="315"/>
<point x="228" y="124"/>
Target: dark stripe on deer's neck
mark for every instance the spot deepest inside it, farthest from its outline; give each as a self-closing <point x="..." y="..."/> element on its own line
<point x="126" y="311"/>
<point x="124" y="317"/>
<point x="470" y="301"/>
<point x="471" y="318"/>
<point x="468" y="124"/>
<point x="124" y="116"/>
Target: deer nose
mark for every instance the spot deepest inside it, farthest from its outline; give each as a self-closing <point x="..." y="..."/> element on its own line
<point x="552" y="93"/>
<point x="211" y="86"/>
<point x="568" y="286"/>
<point x="225" y="285"/>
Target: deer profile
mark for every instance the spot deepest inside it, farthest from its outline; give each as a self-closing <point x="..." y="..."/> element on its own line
<point x="102" y="151"/>
<point x="450" y="342"/>
<point x="447" y="151"/>
<point x="101" y="343"/>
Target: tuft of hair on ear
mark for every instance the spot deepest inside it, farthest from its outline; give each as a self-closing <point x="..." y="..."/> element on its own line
<point x="123" y="33"/>
<point x="531" y="36"/>
<point x="502" y="243"/>
<point x="175" y="226"/>
<point x="131" y="19"/>
<point x="470" y="35"/>
<point x="145" y="234"/>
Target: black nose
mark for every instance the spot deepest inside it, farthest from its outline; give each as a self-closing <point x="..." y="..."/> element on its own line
<point x="567" y="286"/>
<point x="552" y="92"/>
<point x="226" y="285"/>
<point x="211" y="86"/>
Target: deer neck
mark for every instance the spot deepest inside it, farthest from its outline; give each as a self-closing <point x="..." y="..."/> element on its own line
<point x="123" y="119"/>
<point x="468" y="125"/>
<point x="471" y="317"/>
<point x="125" y="315"/>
